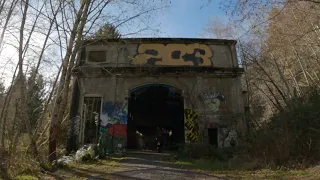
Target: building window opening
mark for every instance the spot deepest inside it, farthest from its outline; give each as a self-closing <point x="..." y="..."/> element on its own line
<point x="97" y="56"/>
<point x="90" y="117"/>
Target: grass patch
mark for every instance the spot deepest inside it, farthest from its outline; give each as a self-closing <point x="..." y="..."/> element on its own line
<point x="118" y="158"/>
<point x="208" y="165"/>
<point x="26" y="177"/>
<point x="84" y="170"/>
<point x="94" y="164"/>
<point x="243" y="170"/>
<point x="72" y="178"/>
<point x="112" y="163"/>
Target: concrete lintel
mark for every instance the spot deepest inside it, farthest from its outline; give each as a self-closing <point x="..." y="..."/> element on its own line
<point x="158" y="40"/>
<point x="159" y="71"/>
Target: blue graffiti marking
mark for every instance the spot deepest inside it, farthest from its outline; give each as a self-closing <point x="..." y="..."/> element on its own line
<point x="171" y="91"/>
<point x="116" y="112"/>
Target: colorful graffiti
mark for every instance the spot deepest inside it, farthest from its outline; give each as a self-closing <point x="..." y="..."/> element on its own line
<point x="105" y="141"/>
<point x="174" y="54"/>
<point x="213" y="101"/>
<point x="113" y="127"/>
<point x="118" y="129"/>
<point x="216" y="104"/>
<point x="191" y="125"/>
<point x="114" y="113"/>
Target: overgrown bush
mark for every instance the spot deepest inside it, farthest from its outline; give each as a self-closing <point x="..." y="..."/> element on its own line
<point x="292" y="136"/>
<point x="20" y="162"/>
<point x="205" y="151"/>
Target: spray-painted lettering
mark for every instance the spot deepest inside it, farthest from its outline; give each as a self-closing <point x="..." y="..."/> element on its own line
<point x="227" y="137"/>
<point x="191" y="125"/>
<point x="216" y="104"/>
<point x="174" y="55"/>
<point x="113" y="123"/>
<point x="118" y="129"/>
<point x="213" y="101"/>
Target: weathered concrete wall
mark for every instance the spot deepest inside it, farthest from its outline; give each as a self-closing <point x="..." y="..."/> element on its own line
<point x="164" y="52"/>
<point x="217" y="101"/>
<point x="212" y="99"/>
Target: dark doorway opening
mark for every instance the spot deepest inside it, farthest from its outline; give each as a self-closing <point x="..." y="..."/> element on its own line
<point x="153" y="106"/>
<point x="213" y="136"/>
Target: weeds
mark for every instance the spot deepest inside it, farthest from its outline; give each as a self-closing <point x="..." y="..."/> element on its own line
<point x="291" y="138"/>
<point x="205" y="151"/>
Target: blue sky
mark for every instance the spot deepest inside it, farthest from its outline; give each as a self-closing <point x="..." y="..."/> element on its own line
<point x="185" y="19"/>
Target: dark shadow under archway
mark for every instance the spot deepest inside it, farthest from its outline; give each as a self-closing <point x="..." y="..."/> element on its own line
<point x="152" y="106"/>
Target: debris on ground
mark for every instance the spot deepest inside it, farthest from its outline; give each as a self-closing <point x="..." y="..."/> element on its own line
<point x="65" y="160"/>
<point x="87" y="152"/>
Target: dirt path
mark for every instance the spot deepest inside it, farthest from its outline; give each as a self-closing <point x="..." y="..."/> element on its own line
<point x="136" y="165"/>
<point x="153" y="166"/>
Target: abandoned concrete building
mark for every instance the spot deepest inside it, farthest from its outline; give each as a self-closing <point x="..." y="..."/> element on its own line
<point x="126" y="88"/>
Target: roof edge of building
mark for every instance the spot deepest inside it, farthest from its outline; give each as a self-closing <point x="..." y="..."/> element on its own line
<point x="160" y="40"/>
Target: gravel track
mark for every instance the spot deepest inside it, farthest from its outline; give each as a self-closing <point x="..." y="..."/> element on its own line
<point x="153" y="166"/>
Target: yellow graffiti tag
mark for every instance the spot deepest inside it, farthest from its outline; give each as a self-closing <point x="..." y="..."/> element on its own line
<point x="174" y="54"/>
<point x="191" y="125"/>
<point x="193" y="137"/>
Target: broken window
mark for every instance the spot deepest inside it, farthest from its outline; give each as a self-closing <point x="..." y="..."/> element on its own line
<point x="97" y="56"/>
<point x="90" y="117"/>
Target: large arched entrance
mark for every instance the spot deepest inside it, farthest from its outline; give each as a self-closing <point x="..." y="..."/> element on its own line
<point x="151" y="106"/>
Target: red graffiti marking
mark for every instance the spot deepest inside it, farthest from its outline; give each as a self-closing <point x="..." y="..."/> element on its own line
<point x="223" y="108"/>
<point x="118" y="129"/>
<point x="212" y="125"/>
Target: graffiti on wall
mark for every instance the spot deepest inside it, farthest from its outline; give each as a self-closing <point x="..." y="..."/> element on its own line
<point x="173" y="54"/>
<point x="118" y="129"/>
<point x="213" y="101"/>
<point x="191" y="125"/>
<point x="113" y="127"/>
<point x="216" y="104"/>
<point x="114" y="113"/>
<point x="227" y="137"/>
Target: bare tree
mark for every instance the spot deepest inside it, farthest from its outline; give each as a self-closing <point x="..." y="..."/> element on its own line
<point x="6" y="11"/>
<point x="277" y="47"/>
<point x="47" y="27"/>
<point x="86" y="16"/>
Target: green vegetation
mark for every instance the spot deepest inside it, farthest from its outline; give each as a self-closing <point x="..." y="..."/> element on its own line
<point x="298" y="126"/>
<point x="107" y="31"/>
<point x="205" y="151"/>
<point x="244" y="170"/>
<point x="26" y="177"/>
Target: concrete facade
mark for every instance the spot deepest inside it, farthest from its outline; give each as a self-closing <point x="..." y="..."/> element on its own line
<point x="205" y="70"/>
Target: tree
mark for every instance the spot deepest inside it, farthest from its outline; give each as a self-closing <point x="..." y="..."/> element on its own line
<point x="85" y="15"/>
<point x="279" y="49"/>
<point x="35" y="96"/>
<point x="49" y="36"/>
<point x="107" y="31"/>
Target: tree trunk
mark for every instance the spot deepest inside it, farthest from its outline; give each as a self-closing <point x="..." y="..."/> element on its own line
<point x="21" y="83"/>
<point x="68" y="61"/>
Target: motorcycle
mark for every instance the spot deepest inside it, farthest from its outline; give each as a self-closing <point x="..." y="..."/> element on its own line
<point x="158" y="145"/>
